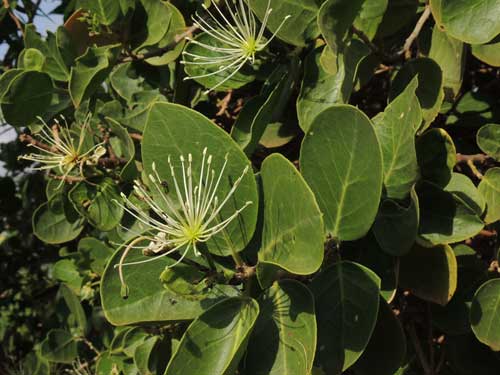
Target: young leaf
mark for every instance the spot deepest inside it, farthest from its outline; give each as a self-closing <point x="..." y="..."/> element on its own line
<point x="395" y="128"/>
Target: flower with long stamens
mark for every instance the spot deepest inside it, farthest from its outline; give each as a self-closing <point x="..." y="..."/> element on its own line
<point x="58" y="149"/>
<point x="236" y="37"/>
<point x="181" y="224"/>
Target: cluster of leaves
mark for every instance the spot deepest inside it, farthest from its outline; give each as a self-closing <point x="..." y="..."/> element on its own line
<point x="370" y="246"/>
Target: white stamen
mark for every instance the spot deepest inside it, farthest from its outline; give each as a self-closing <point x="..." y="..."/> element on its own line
<point x="238" y="32"/>
<point x="192" y="223"/>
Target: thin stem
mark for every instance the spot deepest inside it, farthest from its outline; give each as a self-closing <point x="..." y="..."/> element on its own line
<point x="124" y="288"/>
<point x="416" y="31"/>
<point x="418" y="349"/>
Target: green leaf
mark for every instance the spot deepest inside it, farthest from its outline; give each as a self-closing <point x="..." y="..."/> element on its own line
<point x="240" y="79"/>
<point x="6" y="79"/>
<point x="347" y="300"/>
<point x="284" y="338"/>
<point x="150" y="357"/>
<point x="173" y="130"/>
<point x="335" y="19"/>
<point x="106" y="11"/>
<point x="488" y="140"/>
<point x="430" y="86"/>
<point x="399" y="14"/>
<point x="395" y="128"/>
<point x="55" y="223"/>
<point x="98" y="203"/>
<point x="20" y="106"/>
<point x="471" y="21"/>
<point x="453" y="318"/>
<point x="321" y="89"/>
<point x="464" y="190"/>
<point x="215" y="341"/>
<point x="443" y="218"/>
<point x="293" y="232"/>
<point x="58" y="50"/>
<point x="265" y="109"/>
<point x="90" y="70"/>
<point x="125" y="81"/>
<point x="342" y="162"/>
<point x="299" y="28"/>
<point x="437" y="286"/>
<point x="156" y="18"/>
<point x="436" y="156"/>
<point x="396" y="225"/>
<point x="148" y="300"/>
<point x="59" y="346"/>
<point x="75" y="307"/>
<point x="488" y="53"/>
<point x="176" y="27"/>
<point x="386" y="350"/>
<point x="489" y="187"/>
<point x="370" y="17"/>
<point x="127" y="148"/>
<point x="368" y="253"/>
<point x="97" y="252"/>
<point x="485" y="314"/>
<point x="450" y="54"/>
<point x="65" y="270"/>
<point x="31" y="59"/>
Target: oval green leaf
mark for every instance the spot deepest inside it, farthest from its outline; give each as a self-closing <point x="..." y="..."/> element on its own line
<point x="485" y="314"/>
<point x="386" y="350"/>
<point x="443" y="218"/>
<point x="342" y="162"/>
<point x="284" y="337"/>
<point x="472" y="21"/>
<point x="437" y="286"/>
<point x="347" y="300"/>
<point x="293" y="232"/>
<point x="215" y="342"/>
<point x="489" y="187"/>
<point x="488" y="139"/>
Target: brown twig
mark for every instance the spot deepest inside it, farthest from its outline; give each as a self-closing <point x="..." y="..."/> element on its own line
<point x="245" y="272"/>
<point x="416" y="31"/>
<point x="68" y="179"/>
<point x="477" y="158"/>
<point x="160" y="51"/>
<point x="418" y="349"/>
<point x="224" y="103"/>
<point x="408" y="43"/>
<point x="136" y="136"/>
<point x="112" y="162"/>
<point x="25" y="138"/>
<point x="16" y="20"/>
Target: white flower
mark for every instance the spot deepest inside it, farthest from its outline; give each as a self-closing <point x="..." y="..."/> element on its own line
<point x="239" y="35"/>
<point x="193" y="218"/>
<point x="57" y="148"/>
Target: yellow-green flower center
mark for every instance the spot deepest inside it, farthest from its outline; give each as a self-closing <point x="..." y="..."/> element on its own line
<point x="249" y="47"/>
